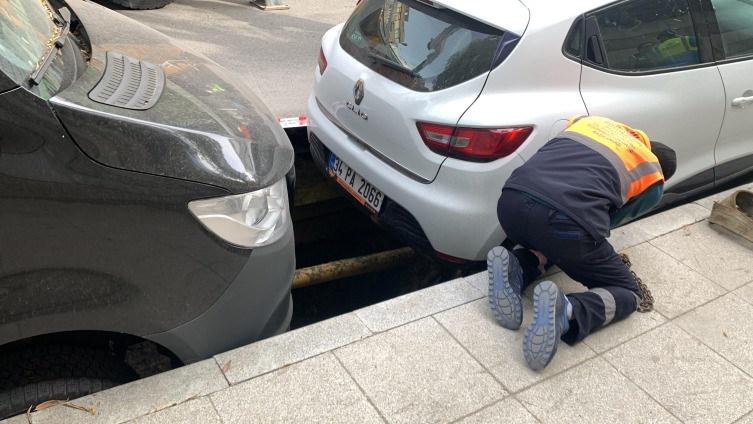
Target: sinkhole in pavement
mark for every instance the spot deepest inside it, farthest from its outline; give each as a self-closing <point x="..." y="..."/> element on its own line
<point x="329" y="227"/>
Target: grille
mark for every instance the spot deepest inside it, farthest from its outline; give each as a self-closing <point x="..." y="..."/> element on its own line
<point x="129" y="83"/>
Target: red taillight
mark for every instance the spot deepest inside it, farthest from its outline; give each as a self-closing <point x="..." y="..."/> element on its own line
<point x="476" y="144"/>
<point x="436" y="137"/>
<point x="322" y="61"/>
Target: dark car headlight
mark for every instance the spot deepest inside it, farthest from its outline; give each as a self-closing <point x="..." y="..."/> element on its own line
<point x="248" y="220"/>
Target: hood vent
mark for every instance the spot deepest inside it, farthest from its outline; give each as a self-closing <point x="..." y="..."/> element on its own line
<point x="129" y="83"/>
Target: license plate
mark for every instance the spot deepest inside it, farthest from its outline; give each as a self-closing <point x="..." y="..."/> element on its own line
<point x="363" y="191"/>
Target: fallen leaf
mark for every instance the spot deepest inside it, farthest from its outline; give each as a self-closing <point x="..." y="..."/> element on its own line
<point x="48" y="404"/>
<point x="92" y="410"/>
<point x="226" y="367"/>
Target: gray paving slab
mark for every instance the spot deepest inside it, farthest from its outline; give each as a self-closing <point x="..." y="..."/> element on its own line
<point x="619" y="332"/>
<point x="748" y="419"/>
<point x="197" y="410"/>
<point x="418" y="373"/>
<point x="141" y="397"/>
<point x="317" y="390"/>
<point x="708" y="202"/>
<point x="628" y="236"/>
<point x="479" y="281"/>
<point x="499" y="349"/>
<point x="508" y="411"/>
<point x="676" y="288"/>
<point x="673" y="219"/>
<point x="592" y="392"/>
<point x="746" y="293"/>
<point x="689" y="379"/>
<point x="726" y="326"/>
<point x="417" y="305"/>
<point x="713" y="252"/>
<point x="267" y="355"/>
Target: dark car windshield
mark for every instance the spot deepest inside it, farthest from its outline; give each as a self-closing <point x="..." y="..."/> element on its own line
<point x="419" y="46"/>
<point x="27" y="32"/>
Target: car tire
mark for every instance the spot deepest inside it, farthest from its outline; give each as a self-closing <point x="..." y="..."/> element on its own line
<point x="39" y="373"/>
<point x="142" y="4"/>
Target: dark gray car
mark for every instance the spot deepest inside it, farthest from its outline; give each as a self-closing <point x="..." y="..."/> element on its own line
<point x="143" y="199"/>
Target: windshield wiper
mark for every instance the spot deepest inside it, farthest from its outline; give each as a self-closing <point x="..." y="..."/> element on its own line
<point x="64" y="20"/>
<point x="392" y="64"/>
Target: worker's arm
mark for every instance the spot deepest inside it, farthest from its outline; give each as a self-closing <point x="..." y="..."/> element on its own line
<point x="639" y="205"/>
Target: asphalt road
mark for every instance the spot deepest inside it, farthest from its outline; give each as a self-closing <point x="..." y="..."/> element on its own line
<point x="275" y="50"/>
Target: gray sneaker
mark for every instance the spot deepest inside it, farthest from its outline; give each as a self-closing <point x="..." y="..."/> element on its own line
<point x="505" y="281"/>
<point x="549" y="323"/>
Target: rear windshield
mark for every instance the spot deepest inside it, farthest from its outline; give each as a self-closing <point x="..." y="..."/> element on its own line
<point x="419" y="46"/>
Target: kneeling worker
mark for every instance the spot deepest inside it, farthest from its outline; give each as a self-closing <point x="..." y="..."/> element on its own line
<point x="560" y="206"/>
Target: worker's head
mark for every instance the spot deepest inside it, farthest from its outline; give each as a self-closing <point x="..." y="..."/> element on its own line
<point x="667" y="159"/>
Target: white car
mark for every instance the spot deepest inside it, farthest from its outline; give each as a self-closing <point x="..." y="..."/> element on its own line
<point x="422" y="109"/>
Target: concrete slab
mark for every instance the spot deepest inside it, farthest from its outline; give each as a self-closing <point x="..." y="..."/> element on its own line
<point x="317" y="390"/>
<point x="592" y="392"/>
<point x="746" y="293"/>
<point x="748" y="419"/>
<point x="713" y="252"/>
<point x="417" y="305"/>
<point x="508" y="411"/>
<point x="479" y="281"/>
<point x="141" y="397"/>
<point x="499" y="349"/>
<point x="418" y="373"/>
<point x="708" y="202"/>
<point x="628" y="236"/>
<point x="726" y="326"/>
<point x="185" y="413"/>
<point x="268" y="355"/>
<point x="619" y="332"/>
<point x="676" y="288"/>
<point x="673" y="219"/>
<point x="690" y="380"/>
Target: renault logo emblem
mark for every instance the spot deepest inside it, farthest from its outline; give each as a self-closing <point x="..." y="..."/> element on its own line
<point x="358" y="92"/>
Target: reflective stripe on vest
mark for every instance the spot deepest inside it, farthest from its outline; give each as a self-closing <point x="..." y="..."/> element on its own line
<point x="627" y="149"/>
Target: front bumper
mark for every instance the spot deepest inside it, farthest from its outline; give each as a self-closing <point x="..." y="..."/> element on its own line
<point x="256" y="305"/>
<point x="456" y="213"/>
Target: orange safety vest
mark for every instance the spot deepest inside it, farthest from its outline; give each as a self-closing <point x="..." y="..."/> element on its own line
<point x="627" y="149"/>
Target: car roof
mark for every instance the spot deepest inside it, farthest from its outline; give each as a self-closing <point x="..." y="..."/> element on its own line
<point x="513" y="15"/>
<point x="564" y="9"/>
<point x="509" y="15"/>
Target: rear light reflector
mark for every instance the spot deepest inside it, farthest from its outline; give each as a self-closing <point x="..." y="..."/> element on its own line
<point x="436" y="137"/>
<point x="322" y="61"/>
<point x="473" y="144"/>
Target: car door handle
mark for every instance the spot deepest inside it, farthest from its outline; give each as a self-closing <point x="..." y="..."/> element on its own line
<point x="743" y="101"/>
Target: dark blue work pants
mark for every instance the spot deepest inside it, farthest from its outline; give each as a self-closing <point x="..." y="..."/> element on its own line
<point x="613" y="292"/>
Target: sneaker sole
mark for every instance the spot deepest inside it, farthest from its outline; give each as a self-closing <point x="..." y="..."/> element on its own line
<point x="504" y="302"/>
<point x="540" y="341"/>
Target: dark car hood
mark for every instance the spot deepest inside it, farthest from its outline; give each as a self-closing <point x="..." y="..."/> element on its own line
<point x="207" y="126"/>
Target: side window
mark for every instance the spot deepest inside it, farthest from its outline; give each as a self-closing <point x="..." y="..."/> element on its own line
<point x="735" y="20"/>
<point x="643" y="36"/>
<point x="574" y="39"/>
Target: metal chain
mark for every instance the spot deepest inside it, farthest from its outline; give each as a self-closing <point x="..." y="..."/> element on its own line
<point x="647" y="299"/>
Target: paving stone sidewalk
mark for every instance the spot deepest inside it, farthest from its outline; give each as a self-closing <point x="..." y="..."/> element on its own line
<point x="438" y="356"/>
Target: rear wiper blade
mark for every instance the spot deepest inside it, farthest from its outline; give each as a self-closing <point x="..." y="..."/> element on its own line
<point x="65" y="20"/>
<point x="392" y="64"/>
